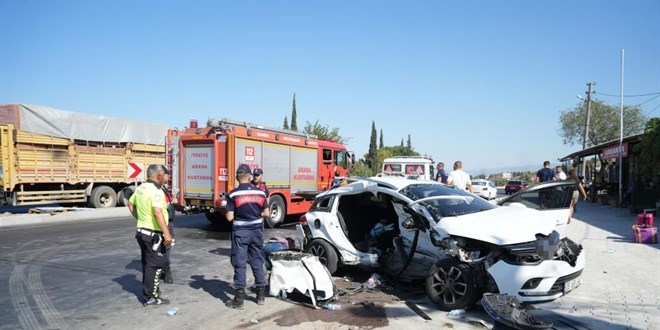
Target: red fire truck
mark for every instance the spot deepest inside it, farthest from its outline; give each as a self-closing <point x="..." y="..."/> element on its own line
<point x="296" y="166"/>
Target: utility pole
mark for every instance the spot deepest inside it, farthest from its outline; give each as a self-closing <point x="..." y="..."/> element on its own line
<point x="585" y="137"/>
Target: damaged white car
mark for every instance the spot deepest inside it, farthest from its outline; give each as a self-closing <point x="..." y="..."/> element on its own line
<point x="461" y="245"/>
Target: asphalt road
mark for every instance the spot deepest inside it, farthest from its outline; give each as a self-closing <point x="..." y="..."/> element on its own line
<point x="86" y="274"/>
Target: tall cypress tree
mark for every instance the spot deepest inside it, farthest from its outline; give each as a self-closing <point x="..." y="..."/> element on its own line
<point x="381" y="144"/>
<point x="286" y="123"/>
<point x="373" y="151"/>
<point x="294" y="125"/>
<point x="402" y="142"/>
<point x="409" y="146"/>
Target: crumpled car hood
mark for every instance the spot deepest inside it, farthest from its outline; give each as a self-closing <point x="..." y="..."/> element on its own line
<point x="502" y="226"/>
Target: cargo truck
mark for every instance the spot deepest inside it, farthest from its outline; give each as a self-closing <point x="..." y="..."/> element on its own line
<point x="296" y="166"/>
<point x="52" y="156"/>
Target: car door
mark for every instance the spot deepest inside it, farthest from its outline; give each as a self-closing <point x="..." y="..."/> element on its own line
<point x="551" y="198"/>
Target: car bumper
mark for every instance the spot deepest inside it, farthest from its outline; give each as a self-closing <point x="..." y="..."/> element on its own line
<point x="554" y="279"/>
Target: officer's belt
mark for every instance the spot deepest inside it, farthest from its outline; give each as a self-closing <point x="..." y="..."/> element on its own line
<point x="242" y="223"/>
<point x="148" y="232"/>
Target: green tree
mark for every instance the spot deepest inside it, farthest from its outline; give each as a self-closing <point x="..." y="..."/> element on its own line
<point x="294" y="124"/>
<point x="402" y="142"/>
<point x="361" y="169"/>
<point x="604" y="123"/>
<point x="324" y="132"/>
<point x="380" y="144"/>
<point x="286" y="123"/>
<point x="649" y="158"/>
<point x="372" y="157"/>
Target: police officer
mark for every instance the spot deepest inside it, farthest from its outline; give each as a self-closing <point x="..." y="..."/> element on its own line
<point x="246" y="207"/>
<point x="148" y="206"/>
<point x="171" y="212"/>
<point x="257" y="181"/>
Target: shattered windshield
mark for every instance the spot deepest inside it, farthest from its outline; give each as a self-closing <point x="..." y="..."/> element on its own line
<point x="445" y="201"/>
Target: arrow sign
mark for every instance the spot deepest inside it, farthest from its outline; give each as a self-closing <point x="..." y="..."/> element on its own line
<point x="135" y="171"/>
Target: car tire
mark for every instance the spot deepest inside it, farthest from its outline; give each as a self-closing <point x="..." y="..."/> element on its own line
<point x="219" y="220"/>
<point x="277" y="211"/>
<point x="451" y="285"/>
<point x="326" y="253"/>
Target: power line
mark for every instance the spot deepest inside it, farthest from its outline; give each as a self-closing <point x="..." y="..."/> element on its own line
<point x="638" y="95"/>
<point x="656" y="108"/>
<point x="649" y="100"/>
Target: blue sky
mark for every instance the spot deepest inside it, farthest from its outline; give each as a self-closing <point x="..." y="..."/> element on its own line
<point x="479" y="81"/>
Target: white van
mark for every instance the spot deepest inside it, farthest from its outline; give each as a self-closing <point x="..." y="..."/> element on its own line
<point x="410" y="167"/>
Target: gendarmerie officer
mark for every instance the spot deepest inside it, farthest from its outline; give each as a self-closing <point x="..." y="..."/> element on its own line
<point x="246" y="207"/>
<point x="149" y="207"/>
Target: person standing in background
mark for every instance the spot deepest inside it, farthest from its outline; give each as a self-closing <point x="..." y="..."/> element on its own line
<point x="172" y="203"/>
<point x="459" y="178"/>
<point x="441" y="176"/>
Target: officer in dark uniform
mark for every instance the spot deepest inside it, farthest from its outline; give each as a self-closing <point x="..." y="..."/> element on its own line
<point x="246" y="207"/>
<point x="257" y="177"/>
<point x="171" y="212"/>
<point x="148" y="206"/>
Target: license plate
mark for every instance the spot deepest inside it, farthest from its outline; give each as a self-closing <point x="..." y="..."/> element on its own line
<point x="572" y="284"/>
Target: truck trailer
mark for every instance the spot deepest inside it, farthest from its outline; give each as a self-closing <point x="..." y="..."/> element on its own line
<point x="296" y="166"/>
<point x="52" y="156"/>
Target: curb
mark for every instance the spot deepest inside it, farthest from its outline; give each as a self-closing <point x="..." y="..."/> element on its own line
<point x="11" y="220"/>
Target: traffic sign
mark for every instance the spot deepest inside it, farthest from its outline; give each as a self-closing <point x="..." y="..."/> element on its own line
<point x="135" y="171"/>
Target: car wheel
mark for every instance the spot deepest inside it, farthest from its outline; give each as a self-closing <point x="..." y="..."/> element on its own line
<point x="326" y="253"/>
<point x="277" y="211"/>
<point x="451" y="285"/>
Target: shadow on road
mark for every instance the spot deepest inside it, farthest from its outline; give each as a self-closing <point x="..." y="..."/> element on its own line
<point x="130" y="283"/>
<point x="216" y="288"/>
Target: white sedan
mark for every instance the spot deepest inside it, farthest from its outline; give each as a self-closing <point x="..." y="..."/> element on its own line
<point x="484" y="188"/>
<point x="461" y="245"/>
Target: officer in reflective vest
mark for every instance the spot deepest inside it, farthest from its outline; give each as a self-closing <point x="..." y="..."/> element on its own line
<point x="149" y="207"/>
<point x="246" y="207"/>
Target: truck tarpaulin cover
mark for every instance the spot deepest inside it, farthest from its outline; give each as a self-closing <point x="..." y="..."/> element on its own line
<point x="80" y="126"/>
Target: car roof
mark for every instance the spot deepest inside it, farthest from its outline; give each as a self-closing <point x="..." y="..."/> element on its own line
<point x="394" y="183"/>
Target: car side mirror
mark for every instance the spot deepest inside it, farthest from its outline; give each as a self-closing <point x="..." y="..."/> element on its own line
<point x="416" y="220"/>
<point x="408" y="223"/>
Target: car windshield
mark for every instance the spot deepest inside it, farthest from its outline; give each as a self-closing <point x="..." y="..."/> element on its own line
<point x="445" y="201"/>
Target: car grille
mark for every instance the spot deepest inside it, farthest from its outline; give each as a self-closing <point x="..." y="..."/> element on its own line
<point x="558" y="287"/>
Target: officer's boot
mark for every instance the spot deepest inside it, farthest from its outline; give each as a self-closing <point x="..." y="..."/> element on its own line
<point x="167" y="274"/>
<point x="261" y="295"/>
<point x="237" y="302"/>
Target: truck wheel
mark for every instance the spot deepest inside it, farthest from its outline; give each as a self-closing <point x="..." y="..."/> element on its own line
<point x="218" y="220"/>
<point x="103" y="197"/>
<point x="451" y="285"/>
<point x="326" y="253"/>
<point x="124" y="194"/>
<point x="277" y="210"/>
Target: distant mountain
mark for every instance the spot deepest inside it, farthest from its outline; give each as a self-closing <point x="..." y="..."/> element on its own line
<point x="499" y="170"/>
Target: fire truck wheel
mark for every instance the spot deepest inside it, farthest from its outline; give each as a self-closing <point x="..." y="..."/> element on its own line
<point x="219" y="220"/>
<point x="277" y="210"/>
<point x="103" y="196"/>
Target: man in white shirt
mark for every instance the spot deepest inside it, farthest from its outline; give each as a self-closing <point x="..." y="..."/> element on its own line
<point x="459" y="178"/>
<point x="559" y="173"/>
